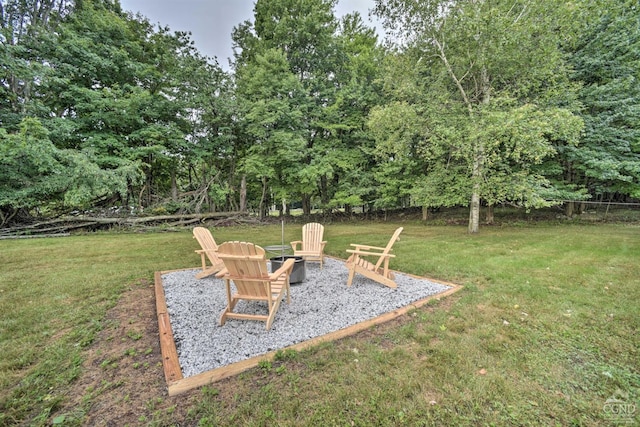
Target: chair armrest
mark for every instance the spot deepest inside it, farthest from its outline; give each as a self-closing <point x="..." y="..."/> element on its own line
<point x="367" y="247"/>
<point x="204" y="251"/>
<point x="358" y="252"/>
<point x="220" y="274"/>
<point x="287" y="265"/>
<point x="294" y="244"/>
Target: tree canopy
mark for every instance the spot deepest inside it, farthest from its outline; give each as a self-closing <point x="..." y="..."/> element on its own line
<point x="464" y="103"/>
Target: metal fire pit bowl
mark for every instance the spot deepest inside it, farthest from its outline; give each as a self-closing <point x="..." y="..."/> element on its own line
<point x="299" y="272"/>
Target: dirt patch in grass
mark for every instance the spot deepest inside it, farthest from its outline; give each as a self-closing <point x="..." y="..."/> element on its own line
<point x="122" y="381"/>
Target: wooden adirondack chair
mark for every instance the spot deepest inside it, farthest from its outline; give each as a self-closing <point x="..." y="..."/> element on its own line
<point x="311" y="247"/>
<point x="209" y="251"/>
<point x="380" y="270"/>
<point x="246" y="266"/>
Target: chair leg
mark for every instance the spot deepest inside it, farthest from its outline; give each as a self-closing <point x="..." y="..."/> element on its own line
<point x="272" y="313"/>
<point x="352" y="272"/>
<point x="206" y="272"/>
<point x="288" y="291"/>
<point x="231" y="303"/>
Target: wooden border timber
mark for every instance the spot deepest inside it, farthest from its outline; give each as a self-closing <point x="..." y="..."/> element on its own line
<point x="177" y="384"/>
<point x="170" y="362"/>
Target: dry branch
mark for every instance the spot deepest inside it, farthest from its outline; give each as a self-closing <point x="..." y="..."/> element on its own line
<point x="63" y="225"/>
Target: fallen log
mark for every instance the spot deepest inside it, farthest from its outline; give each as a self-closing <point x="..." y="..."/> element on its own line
<point x="34" y="236"/>
<point x="65" y="224"/>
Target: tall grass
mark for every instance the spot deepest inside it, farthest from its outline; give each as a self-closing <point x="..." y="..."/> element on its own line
<point x="544" y="332"/>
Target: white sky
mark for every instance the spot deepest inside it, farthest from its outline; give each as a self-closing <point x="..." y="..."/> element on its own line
<point x="211" y="21"/>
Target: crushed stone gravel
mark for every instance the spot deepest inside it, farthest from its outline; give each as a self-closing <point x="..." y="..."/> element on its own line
<point x="319" y="305"/>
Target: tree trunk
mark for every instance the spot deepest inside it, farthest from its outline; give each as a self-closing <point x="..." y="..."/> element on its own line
<point x="141" y="197"/>
<point x="474" y="212"/>
<point x="568" y="209"/>
<point x="478" y="159"/>
<point x="489" y="216"/>
<point x="324" y="190"/>
<point x="174" y="186"/>
<point x="425" y="213"/>
<point x="282" y="208"/>
<point x="306" y="204"/>
<point x="243" y="194"/>
<point x="474" y="208"/>
<point x="263" y="198"/>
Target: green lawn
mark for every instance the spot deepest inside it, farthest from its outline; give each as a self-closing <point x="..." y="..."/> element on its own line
<point x="543" y="333"/>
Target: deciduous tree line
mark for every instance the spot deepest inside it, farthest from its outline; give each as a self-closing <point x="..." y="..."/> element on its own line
<point x="472" y="103"/>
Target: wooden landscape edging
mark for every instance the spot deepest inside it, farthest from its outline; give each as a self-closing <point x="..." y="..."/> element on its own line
<point x="170" y="362"/>
<point x="176" y="384"/>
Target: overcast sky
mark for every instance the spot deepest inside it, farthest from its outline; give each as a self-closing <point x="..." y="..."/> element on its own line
<point x="211" y="21"/>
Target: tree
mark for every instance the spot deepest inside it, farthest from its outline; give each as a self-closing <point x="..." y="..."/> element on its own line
<point x="274" y="100"/>
<point x="336" y="97"/>
<point x="346" y="154"/>
<point x="110" y="87"/>
<point x="481" y="62"/>
<point x="37" y="174"/>
<point x="606" y="59"/>
<point x="209" y="161"/>
<point x="23" y="24"/>
<point x="304" y="32"/>
<point x="128" y="93"/>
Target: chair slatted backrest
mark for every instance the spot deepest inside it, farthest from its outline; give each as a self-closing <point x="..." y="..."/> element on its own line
<point x="312" y="234"/>
<point x="204" y="238"/>
<point x="247" y="267"/>
<point x="387" y="249"/>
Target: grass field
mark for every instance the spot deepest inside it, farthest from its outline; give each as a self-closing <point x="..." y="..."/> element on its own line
<point x="544" y="332"/>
